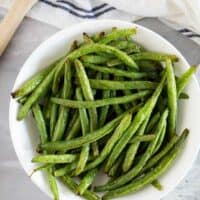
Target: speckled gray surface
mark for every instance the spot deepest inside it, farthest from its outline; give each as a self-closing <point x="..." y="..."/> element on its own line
<point x="14" y="183"/>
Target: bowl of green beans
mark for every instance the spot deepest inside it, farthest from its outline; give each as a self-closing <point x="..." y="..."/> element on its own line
<point x="106" y="109"/>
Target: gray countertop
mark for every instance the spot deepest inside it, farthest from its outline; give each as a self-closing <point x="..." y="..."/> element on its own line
<point x="13" y="180"/>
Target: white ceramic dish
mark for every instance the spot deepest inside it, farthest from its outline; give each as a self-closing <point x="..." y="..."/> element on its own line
<point x="24" y="134"/>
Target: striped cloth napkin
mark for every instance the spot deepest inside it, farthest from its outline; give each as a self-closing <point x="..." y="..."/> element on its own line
<point x="182" y="15"/>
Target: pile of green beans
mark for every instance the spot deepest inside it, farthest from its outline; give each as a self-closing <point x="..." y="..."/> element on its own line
<point x="109" y="103"/>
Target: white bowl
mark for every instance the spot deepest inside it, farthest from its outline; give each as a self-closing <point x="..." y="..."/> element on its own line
<point x="24" y="134"/>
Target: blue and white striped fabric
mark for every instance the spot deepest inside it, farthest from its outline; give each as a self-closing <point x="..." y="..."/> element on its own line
<point x="64" y="13"/>
<point x="182" y="15"/>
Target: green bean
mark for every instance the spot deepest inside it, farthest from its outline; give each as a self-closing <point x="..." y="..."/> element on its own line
<point x="148" y="55"/>
<point x="127" y="105"/>
<point x="117" y="34"/>
<point x="57" y="76"/>
<point x="73" y="116"/>
<point x="71" y="133"/>
<point x="125" y="122"/>
<point x="97" y="36"/>
<point x="149" y="66"/>
<point x="98" y="76"/>
<point x="87" y="93"/>
<point x="118" y="72"/>
<point x="53" y="117"/>
<point x="162" y="102"/>
<point x="139" y="183"/>
<point x="127" y="46"/>
<point x="42" y="167"/>
<point x="133" y="148"/>
<point x="100" y="103"/>
<point x="87" y="39"/>
<point x="184" y="96"/>
<point x="22" y="100"/>
<point x="114" y="170"/>
<point x="30" y="85"/>
<point x="142" y="138"/>
<point x="73" y="46"/>
<point x="40" y="122"/>
<point x="104" y="110"/>
<point x="52" y="184"/>
<point x="161" y="154"/>
<point x="153" y="121"/>
<point x="161" y="138"/>
<point x="118" y="110"/>
<point x="91" y="48"/>
<point x="60" y="69"/>
<point x="120" y="44"/>
<point x="172" y="98"/>
<point x="44" y="137"/>
<point x="157" y="185"/>
<point x="36" y="94"/>
<point x="78" y="142"/>
<point x="108" y="56"/>
<point x="184" y="79"/>
<point x="87" y="181"/>
<point x="139" y="118"/>
<point x="89" y="138"/>
<point x="134" y="48"/>
<point x="94" y="59"/>
<point x="66" y="169"/>
<point x="155" y="56"/>
<point x="142" y="161"/>
<point x="74" y="187"/>
<point x="85" y="129"/>
<point x="46" y="107"/>
<point x="129" y="92"/>
<point x="121" y="85"/>
<point x="63" y="112"/>
<point x="65" y="158"/>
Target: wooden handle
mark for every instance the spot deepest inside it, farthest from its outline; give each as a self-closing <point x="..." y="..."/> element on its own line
<point x="12" y="20"/>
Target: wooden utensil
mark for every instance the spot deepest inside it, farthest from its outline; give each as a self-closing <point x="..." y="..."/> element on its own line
<point x="12" y="20"/>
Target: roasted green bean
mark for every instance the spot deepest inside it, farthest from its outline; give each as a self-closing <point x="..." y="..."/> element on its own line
<point x="63" y="112"/>
<point x="119" y="72"/>
<point x="184" y="79"/>
<point x="121" y="85"/>
<point x="52" y="183"/>
<point x="172" y="98"/>
<point x="99" y="103"/>
<point x="65" y="158"/>
<point x="74" y="187"/>
<point x="125" y="122"/>
<point x="104" y="110"/>
<point x="88" y="95"/>
<point x="139" y="183"/>
<point x="37" y="93"/>
<point x="28" y="86"/>
<point x="40" y="123"/>
<point x="85" y="129"/>
<point x="91" y="48"/>
<point x="142" y="161"/>
<point x="137" y="121"/>
<point x="89" y="138"/>
<point x="155" y="56"/>
<point x="118" y="33"/>
<point x="87" y="181"/>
